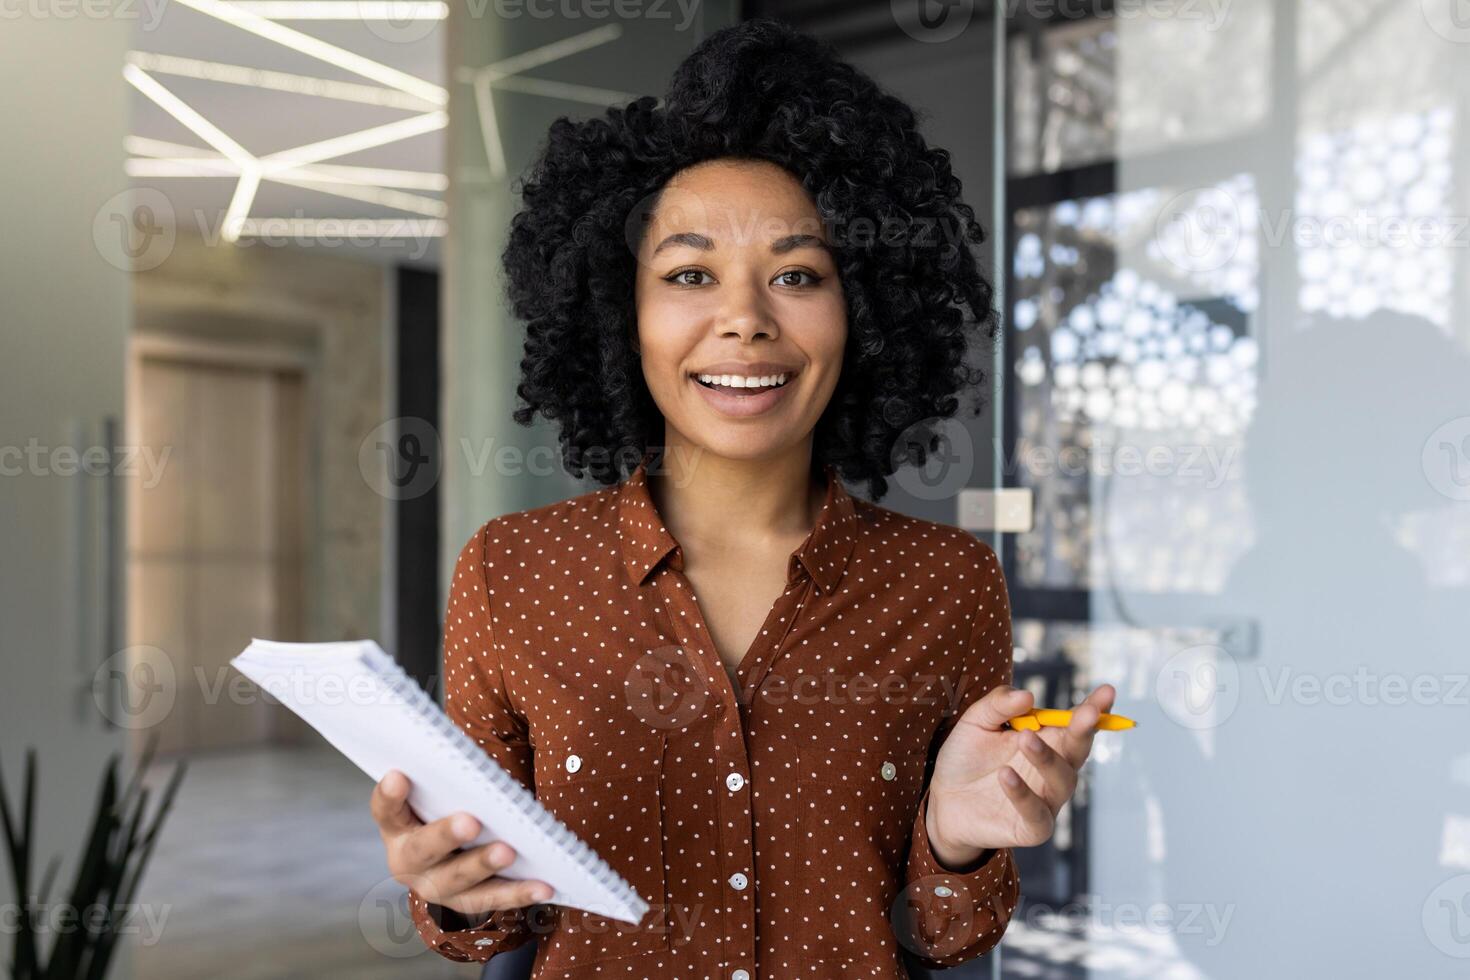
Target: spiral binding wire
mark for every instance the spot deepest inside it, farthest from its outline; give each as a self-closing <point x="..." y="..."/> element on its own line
<point x="475" y="759"/>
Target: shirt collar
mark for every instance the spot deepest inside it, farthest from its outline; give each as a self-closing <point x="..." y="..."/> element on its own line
<point x="823" y="554"/>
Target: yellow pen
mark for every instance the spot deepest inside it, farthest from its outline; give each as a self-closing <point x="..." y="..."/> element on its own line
<point x="1058" y="718"/>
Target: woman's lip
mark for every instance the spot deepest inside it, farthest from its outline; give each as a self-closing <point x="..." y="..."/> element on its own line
<point x="741" y="406"/>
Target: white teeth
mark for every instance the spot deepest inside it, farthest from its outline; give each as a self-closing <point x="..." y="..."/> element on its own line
<point x="740" y="381"/>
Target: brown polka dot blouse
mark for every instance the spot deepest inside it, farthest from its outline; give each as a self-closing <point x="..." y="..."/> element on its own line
<point x="775" y="826"/>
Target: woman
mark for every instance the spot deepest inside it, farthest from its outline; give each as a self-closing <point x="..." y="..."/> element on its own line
<point x="719" y="294"/>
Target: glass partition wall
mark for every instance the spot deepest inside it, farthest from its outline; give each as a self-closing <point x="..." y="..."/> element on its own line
<point x="1237" y="386"/>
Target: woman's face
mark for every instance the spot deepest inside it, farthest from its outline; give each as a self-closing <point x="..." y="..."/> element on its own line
<point x="735" y="284"/>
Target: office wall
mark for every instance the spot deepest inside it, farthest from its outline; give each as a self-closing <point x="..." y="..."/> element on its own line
<point x="64" y="317"/>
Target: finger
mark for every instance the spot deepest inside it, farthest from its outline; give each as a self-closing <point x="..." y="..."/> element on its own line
<point x="999" y="705"/>
<point x="1058" y="776"/>
<point x="1076" y="744"/>
<point x="421" y="849"/>
<point x="1102" y="696"/>
<point x="389" y="805"/>
<point x="504" y="893"/>
<point x="1035" y="816"/>
<point x="461" y="872"/>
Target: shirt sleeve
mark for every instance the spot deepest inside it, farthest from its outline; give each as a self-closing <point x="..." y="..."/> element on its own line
<point x="475" y="699"/>
<point x="955" y="916"/>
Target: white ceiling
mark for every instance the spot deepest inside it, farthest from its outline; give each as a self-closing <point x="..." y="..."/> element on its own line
<point x="263" y="121"/>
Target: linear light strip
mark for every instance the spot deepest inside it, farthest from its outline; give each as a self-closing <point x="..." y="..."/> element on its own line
<point x="147" y="165"/>
<point x="346" y="227"/>
<point x="372" y="195"/>
<point x="563" y="90"/>
<point x="554" y="51"/>
<point x="277" y="81"/>
<point x="192" y="120"/>
<point x="354" y="142"/>
<point x="321" y="50"/>
<point x="395" y="10"/>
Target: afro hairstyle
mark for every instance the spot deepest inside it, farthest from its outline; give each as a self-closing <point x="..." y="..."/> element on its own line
<point x="917" y="300"/>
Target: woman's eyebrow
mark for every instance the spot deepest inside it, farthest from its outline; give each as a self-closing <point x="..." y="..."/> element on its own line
<point x="780" y="246"/>
<point x="791" y="242"/>
<point x="690" y="238"/>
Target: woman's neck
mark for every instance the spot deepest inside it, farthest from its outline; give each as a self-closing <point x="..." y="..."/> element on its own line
<point x="716" y="504"/>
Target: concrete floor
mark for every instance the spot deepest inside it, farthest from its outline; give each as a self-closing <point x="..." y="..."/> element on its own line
<point x="270" y="867"/>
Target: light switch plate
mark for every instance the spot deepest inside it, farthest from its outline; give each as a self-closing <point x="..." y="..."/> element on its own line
<point x="1006" y="510"/>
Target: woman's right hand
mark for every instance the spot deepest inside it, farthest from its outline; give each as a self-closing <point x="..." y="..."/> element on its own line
<point x="426" y="857"/>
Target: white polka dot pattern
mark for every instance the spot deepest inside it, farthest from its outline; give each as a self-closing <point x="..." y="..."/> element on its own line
<point x="775" y="825"/>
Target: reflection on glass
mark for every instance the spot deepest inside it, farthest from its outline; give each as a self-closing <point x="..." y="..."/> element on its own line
<point x="1122" y="376"/>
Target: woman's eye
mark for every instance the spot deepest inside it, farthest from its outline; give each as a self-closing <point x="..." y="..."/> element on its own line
<point x="785" y="280"/>
<point x="679" y="278"/>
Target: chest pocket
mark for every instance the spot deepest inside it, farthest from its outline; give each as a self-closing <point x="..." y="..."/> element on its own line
<point x="857" y="814"/>
<point x="607" y="789"/>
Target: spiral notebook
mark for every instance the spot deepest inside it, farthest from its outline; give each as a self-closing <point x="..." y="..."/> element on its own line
<point x="364" y="704"/>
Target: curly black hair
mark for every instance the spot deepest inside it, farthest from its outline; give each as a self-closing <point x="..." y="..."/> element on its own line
<point x="890" y="202"/>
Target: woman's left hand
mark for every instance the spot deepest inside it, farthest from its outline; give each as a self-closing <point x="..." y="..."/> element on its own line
<point x="994" y="787"/>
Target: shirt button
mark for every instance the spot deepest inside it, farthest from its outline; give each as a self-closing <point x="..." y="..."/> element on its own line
<point x="738" y="881"/>
<point x="574" y="762"/>
<point x="484" y="942"/>
<point x="888" y="771"/>
<point x="740" y="975"/>
<point x="734" y="781"/>
<point x="943" y="891"/>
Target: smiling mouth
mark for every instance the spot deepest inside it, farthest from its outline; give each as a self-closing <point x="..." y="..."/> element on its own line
<point x="736" y="385"/>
